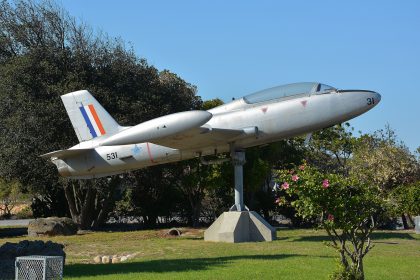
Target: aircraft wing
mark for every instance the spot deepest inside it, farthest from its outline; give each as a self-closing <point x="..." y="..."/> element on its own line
<point x="199" y="137"/>
<point x="61" y="154"/>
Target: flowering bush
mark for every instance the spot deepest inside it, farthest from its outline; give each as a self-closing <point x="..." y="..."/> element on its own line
<point x="342" y="206"/>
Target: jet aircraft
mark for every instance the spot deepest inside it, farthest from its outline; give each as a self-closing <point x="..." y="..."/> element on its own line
<point x="281" y="112"/>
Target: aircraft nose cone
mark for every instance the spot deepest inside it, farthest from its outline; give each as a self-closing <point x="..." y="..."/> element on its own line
<point x="360" y="101"/>
<point x="373" y="98"/>
<point x="377" y="97"/>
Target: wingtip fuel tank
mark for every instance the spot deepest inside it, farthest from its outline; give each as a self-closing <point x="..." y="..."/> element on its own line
<point x="158" y="128"/>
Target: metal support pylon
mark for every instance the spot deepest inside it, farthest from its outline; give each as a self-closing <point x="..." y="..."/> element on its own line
<point x="239" y="224"/>
<point x="238" y="161"/>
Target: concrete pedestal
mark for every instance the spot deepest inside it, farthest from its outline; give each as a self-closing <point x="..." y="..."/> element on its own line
<point x="244" y="226"/>
<point x="417" y="224"/>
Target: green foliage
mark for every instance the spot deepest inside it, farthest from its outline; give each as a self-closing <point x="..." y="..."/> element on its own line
<point x="341" y="273"/>
<point x="260" y="162"/>
<point x="330" y="149"/>
<point x="381" y="160"/>
<point x="25" y="213"/>
<point x="10" y="196"/>
<point x="45" y="53"/>
<point x="196" y="181"/>
<point x="153" y="194"/>
<point x="212" y="103"/>
<point x="343" y="206"/>
<point x="125" y="207"/>
<point x="406" y="199"/>
<point x="321" y="195"/>
<point x="378" y="159"/>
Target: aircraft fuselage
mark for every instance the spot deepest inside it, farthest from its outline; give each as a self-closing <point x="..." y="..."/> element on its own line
<point x="262" y="122"/>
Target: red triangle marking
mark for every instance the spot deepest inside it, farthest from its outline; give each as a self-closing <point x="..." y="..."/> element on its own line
<point x="304" y="103"/>
<point x="264" y="110"/>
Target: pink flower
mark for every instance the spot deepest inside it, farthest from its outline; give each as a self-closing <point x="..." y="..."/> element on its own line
<point x="280" y="201"/>
<point x="295" y="178"/>
<point x="330" y="217"/>
<point x="302" y="167"/>
<point x="325" y="183"/>
<point x="285" y="186"/>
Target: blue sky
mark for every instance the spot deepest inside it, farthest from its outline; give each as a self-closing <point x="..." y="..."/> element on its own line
<point x="232" y="48"/>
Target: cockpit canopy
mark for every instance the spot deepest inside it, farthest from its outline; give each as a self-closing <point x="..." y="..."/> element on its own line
<point x="289" y="90"/>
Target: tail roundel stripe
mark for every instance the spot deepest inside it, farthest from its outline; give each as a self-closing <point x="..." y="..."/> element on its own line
<point x="88" y="122"/>
<point x="97" y="120"/>
<point x="92" y="120"/>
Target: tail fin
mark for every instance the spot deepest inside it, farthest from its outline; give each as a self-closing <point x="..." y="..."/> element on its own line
<point x="88" y="117"/>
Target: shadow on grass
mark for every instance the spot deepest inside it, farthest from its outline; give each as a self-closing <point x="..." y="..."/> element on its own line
<point x="13" y="232"/>
<point x="318" y="238"/>
<point x="393" y="235"/>
<point x="160" y="266"/>
<point x="375" y="236"/>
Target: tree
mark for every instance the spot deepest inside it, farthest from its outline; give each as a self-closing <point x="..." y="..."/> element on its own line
<point x="90" y="201"/>
<point x="10" y="196"/>
<point x="212" y="103"/>
<point x="406" y="200"/>
<point x="195" y="181"/>
<point x="382" y="160"/>
<point x="344" y="206"/>
<point x="44" y="53"/>
<point x="258" y="174"/>
<point x="330" y="149"/>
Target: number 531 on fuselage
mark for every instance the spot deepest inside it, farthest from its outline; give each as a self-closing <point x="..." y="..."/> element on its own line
<point x="106" y="148"/>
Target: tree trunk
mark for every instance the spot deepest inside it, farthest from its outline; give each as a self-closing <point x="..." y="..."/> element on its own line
<point x="404" y="220"/>
<point x="410" y="219"/>
<point x="89" y="208"/>
<point x="343" y="258"/>
<point x="68" y="192"/>
<point x="150" y="220"/>
<point x="359" y="271"/>
<point x="103" y="213"/>
<point x="196" y="211"/>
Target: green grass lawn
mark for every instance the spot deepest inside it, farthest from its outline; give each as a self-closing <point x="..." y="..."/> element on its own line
<point x="297" y="254"/>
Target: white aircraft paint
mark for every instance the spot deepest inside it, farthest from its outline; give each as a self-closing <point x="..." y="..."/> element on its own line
<point x="264" y="117"/>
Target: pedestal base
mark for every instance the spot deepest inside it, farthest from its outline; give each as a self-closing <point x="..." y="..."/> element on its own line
<point x="245" y="226"/>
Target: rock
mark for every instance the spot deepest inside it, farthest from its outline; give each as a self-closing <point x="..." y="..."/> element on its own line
<point x="123" y="259"/>
<point x="9" y="251"/>
<point x="52" y="226"/>
<point x="106" y="259"/>
<point x="115" y="259"/>
<point x="97" y="259"/>
<point x="174" y="232"/>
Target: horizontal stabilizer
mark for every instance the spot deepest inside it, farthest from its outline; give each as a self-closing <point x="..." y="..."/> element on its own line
<point x="62" y="154"/>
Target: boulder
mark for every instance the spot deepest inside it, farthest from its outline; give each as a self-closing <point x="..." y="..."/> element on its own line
<point x="52" y="226"/>
<point x="9" y="252"/>
<point x="106" y="259"/>
<point x="97" y="259"/>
